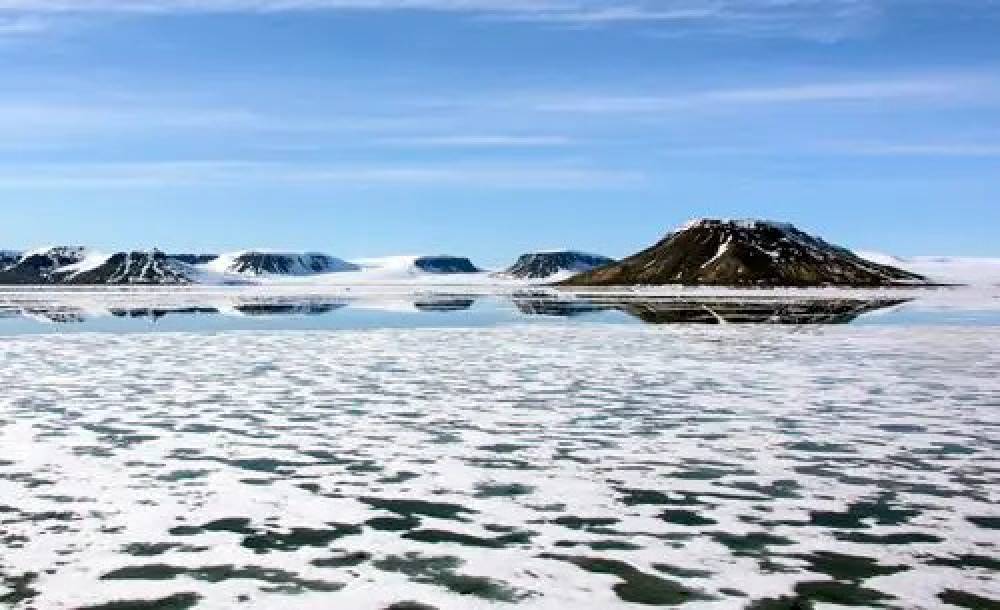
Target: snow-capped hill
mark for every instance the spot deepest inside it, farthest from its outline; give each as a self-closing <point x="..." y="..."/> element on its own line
<point x="124" y="268"/>
<point x="944" y="269"/>
<point x="260" y="263"/>
<point x="547" y="264"/>
<point x="40" y="266"/>
<point x="745" y="253"/>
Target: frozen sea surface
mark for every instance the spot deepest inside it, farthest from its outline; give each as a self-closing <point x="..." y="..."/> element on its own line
<point x="536" y="466"/>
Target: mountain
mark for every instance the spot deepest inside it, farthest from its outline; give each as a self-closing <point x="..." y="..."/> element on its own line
<point x="42" y="266"/>
<point x="8" y="258"/>
<point x="744" y="253"/>
<point x="445" y="264"/>
<point x="540" y="265"/>
<point x="263" y="263"/>
<point x="124" y="268"/>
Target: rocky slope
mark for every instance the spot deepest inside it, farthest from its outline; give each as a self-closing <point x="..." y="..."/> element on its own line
<point x="540" y="265"/>
<point x="42" y="266"/>
<point x="744" y="253"/>
<point x="8" y="258"/>
<point x="126" y="268"/>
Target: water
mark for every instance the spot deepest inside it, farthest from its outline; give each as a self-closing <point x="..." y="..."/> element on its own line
<point x="42" y="312"/>
<point x="501" y="454"/>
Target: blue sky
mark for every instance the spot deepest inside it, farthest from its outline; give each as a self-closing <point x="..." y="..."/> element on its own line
<point x="489" y="127"/>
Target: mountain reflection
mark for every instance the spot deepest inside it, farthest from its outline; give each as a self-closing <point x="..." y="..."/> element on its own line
<point x="660" y="310"/>
<point x="715" y="311"/>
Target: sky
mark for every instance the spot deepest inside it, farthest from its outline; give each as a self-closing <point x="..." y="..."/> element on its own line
<point x="486" y="128"/>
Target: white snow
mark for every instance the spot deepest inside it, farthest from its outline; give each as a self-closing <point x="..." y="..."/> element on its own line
<point x="121" y="439"/>
<point x="92" y="259"/>
<point x="739" y="223"/>
<point x="388" y="270"/>
<point x="958" y="269"/>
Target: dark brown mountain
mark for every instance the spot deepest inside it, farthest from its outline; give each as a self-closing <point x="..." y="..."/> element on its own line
<point x="744" y="253"/>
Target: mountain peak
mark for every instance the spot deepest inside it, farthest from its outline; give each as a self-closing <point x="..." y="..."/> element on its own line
<point x="745" y="252"/>
<point x="736" y="223"/>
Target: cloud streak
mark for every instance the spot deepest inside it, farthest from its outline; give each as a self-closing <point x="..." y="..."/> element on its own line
<point x="827" y="19"/>
<point x="478" y="141"/>
<point x="229" y="173"/>
<point x="913" y="89"/>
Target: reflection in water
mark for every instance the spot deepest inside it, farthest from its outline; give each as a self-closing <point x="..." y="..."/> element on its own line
<point x="287" y="309"/>
<point x="444" y="305"/>
<point x="660" y="310"/>
<point x="561" y="309"/>
<point x="813" y="311"/>
<point x="160" y="312"/>
<point x="714" y="310"/>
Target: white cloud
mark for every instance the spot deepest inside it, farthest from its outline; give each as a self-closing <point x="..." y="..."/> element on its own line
<point x="21" y="25"/>
<point x="159" y="174"/>
<point x="478" y="141"/>
<point x="824" y="19"/>
<point x="888" y="149"/>
<point x="917" y="149"/>
<point x="914" y="89"/>
<point x="26" y="119"/>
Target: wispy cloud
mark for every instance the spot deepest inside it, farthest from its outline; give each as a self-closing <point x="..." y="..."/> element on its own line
<point x="887" y="149"/>
<point x="798" y="18"/>
<point x="478" y="141"/>
<point x="916" y="149"/>
<point x="225" y="173"/>
<point x="142" y="116"/>
<point x="22" y="25"/>
<point x="926" y="89"/>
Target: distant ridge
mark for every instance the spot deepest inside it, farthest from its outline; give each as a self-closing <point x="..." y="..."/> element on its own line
<point x="744" y="253"/>
<point x="8" y="258"/>
<point x="549" y="263"/>
<point x="136" y="267"/>
<point x="262" y="263"/>
<point x="42" y="266"/>
<point x="445" y="264"/>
